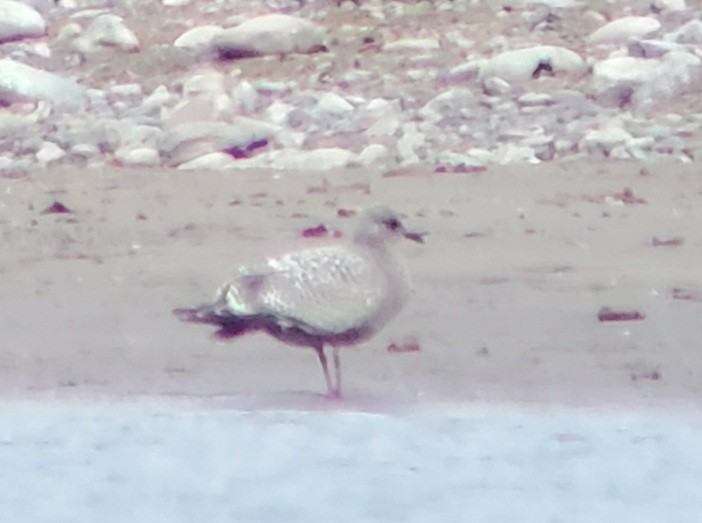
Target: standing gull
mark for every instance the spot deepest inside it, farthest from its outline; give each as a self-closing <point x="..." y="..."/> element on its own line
<point x="336" y="295"/>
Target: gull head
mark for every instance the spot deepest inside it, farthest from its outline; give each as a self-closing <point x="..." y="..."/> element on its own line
<point x="381" y="224"/>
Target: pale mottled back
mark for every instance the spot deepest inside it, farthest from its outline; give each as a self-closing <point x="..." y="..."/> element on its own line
<point x="328" y="290"/>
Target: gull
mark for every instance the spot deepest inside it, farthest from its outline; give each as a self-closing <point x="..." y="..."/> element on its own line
<point x="338" y="294"/>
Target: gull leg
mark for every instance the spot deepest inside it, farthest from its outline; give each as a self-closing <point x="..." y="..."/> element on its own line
<point x="323" y="361"/>
<point x="337" y="370"/>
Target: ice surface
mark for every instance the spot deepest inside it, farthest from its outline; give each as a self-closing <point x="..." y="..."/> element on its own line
<point x="65" y="462"/>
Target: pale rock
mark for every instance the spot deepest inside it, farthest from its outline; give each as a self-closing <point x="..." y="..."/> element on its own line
<point x="515" y="154"/>
<point x="447" y="104"/>
<point x="605" y="139"/>
<point x="412" y="44"/>
<point x="332" y="105"/>
<point x="69" y="32"/>
<point x="467" y="71"/>
<point x="210" y="162"/>
<point x="278" y="112"/>
<point x="289" y="139"/>
<point x="454" y="159"/>
<point x="384" y="127"/>
<point x="271" y="87"/>
<point x="274" y="34"/>
<point x="18" y="20"/>
<point x="175" y="3"/>
<point x="374" y="153"/>
<point x="16" y="128"/>
<point x="206" y="107"/>
<point x="301" y="160"/>
<point x="131" y="93"/>
<point x="7" y="163"/>
<point x="89" y="14"/>
<point x="380" y="106"/>
<point x="651" y="48"/>
<point x="300" y="118"/>
<point x="524" y="64"/>
<point x="312" y="160"/>
<point x="535" y="100"/>
<point x="689" y="33"/>
<point x="135" y="136"/>
<point x="620" y="152"/>
<point x="411" y="147"/>
<point x="617" y="79"/>
<point x="21" y="82"/>
<point x="107" y="30"/>
<point x="98" y="104"/>
<point x="494" y="86"/>
<point x="669" y="5"/>
<point x="481" y="155"/>
<point x="43" y="6"/>
<point x="191" y="139"/>
<point x="544" y="146"/>
<point x="83" y="152"/>
<point x="559" y="4"/>
<point x="198" y="39"/>
<point x="49" y="152"/>
<point x="624" y="29"/>
<point x="211" y="83"/>
<point x="245" y="98"/>
<point x="138" y="157"/>
<point x="160" y="98"/>
<point x="42" y="50"/>
<point x="644" y="82"/>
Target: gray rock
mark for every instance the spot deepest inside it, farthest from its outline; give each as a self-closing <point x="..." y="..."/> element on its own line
<point x="274" y="34"/>
<point x="18" y="20"/>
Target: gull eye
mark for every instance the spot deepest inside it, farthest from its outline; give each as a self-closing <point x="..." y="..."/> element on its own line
<point x="392" y="224"/>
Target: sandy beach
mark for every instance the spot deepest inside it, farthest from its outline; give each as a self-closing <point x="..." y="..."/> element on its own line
<point x="518" y="263"/>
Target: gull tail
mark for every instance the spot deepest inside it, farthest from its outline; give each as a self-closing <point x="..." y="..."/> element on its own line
<point x="230" y="325"/>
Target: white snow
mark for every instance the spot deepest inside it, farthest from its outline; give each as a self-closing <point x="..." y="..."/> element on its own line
<point x="154" y="461"/>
